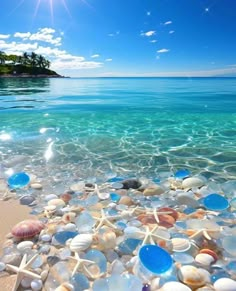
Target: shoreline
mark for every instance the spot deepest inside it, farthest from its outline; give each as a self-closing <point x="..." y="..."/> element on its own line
<point x="32" y="76"/>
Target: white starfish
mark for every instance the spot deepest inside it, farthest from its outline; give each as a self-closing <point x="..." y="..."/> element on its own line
<point x="80" y="263"/>
<point x="204" y="232"/>
<point x="149" y="235"/>
<point x="104" y="220"/>
<point x="22" y="271"/>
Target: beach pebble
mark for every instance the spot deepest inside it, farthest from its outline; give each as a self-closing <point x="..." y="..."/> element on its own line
<point x="25" y="282"/>
<point x="36" y="186"/>
<point x="126" y="200"/>
<point x="46" y="237"/>
<point x="50" y="197"/>
<point x="59" y="203"/>
<point x="204" y="259"/>
<point x="157" y="190"/>
<point x="225" y="284"/>
<point x="2" y="266"/>
<point x="25" y="245"/>
<point x="36" y="285"/>
<point x="131" y="183"/>
<point x="192" y="276"/>
<point x="192" y="182"/>
<point x="174" y="286"/>
<point x="77" y="187"/>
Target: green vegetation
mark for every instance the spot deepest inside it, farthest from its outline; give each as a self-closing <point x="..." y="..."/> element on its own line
<point x="25" y="65"/>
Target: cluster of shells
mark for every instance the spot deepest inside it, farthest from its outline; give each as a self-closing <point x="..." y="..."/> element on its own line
<point x="85" y="230"/>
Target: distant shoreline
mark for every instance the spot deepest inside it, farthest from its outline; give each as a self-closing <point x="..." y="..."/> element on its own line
<point x="31" y="76"/>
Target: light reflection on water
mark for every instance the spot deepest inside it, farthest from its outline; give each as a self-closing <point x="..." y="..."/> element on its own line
<point x="128" y="126"/>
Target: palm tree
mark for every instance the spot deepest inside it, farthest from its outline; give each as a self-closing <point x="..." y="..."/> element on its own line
<point x="25" y="59"/>
<point x="33" y="59"/>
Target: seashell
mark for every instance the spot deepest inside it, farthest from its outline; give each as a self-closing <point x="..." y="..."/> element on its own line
<point x="192" y="182"/>
<point x="27" y="228"/>
<point x="206" y="288"/>
<point x="126" y="200"/>
<point x="176" y="286"/>
<point x="146" y="218"/>
<point x="59" y="203"/>
<point x="65" y="287"/>
<point x="24" y="245"/>
<point x="36" y="186"/>
<point x="209" y="252"/>
<point x="157" y="190"/>
<point x="172" y="213"/>
<point x="81" y="242"/>
<point x="192" y="276"/>
<point x="107" y="240"/>
<point x="166" y="220"/>
<point x="180" y="244"/>
<point x="204" y="259"/>
<point x="66" y="197"/>
<point x="225" y="284"/>
<point x="68" y="217"/>
<point x="50" y="208"/>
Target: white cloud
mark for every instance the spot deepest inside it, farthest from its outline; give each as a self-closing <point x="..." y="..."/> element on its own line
<point x="74" y="65"/>
<point x="163" y="51"/>
<point x="108" y="60"/>
<point x="168" y="22"/>
<point x="46" y="35"/>
<point x="24" y="35"/>
<point x="153" y="40"/>
<point x="17" y="48"/>
<point x="4" y="36"/>
<point x="114" y="34"/>
<point x="148" y="33"/>
<point x="95" y="56"/>
<point x="171" y="31"/>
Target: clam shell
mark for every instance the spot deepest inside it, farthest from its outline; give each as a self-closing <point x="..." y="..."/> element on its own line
<point x="59" y="203"/>
<point x="157" y="190"/>
<point x="192" y="276"/>
<point x="176" y="286"/>
<point x="27" y="228"/>
<point x="204" y="259"/>
<point x="180" y="244"/>
<point x="81" y="242"/>
<point x="192" y="183"/>
<point x="24" y="245"/>
<point x="209" y="252"/>
<point x="68" y="217"/>
<point x="225" y="284"/>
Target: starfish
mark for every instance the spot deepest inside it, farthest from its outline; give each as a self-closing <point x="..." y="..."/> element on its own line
<point x="149" y="235"/>
<point x="80" y="263"/>
<point x="204" y="232"/>
<point x="22" y="270"/>
<point x="104" y="220"/>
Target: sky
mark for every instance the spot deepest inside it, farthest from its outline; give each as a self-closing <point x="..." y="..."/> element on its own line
<point x="106" y="38"/>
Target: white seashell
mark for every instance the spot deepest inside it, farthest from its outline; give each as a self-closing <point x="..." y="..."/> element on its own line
<point x="225" y="284"/>
<point x="204" y="259"/>
<point x="192" y="276"/>
<point x="192" y="182"/>
<point x="36" y="186"/>
<point x="151" y="191"/>
<point x="50" y="208"/>
<point x="81" y="242"/>
<point x="59" y="203"/>
<point x="68" y="217"/>
<point x="175" y="286"/>
<point x="180" y="244"/>
<point x="50" y="197"/>
<point x="25" y="245"/>
<point x="78" y="186"/>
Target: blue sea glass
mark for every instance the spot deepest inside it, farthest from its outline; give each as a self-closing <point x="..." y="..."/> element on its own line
<point x="100" y="284"/>
<point x="62" y="236"/>
<point x="114" y="197"/>
<point x="215" y="202"/>
<point x="18" y="180"/>
<point x="99" y="258"/>
<point x="85" y="222"/>
<point x="79" y="282"/>
<point x="182" y="174"/>
<point x="155" y="259"/>
<point x="116" y="179"/>
<point x="128" y="246"/>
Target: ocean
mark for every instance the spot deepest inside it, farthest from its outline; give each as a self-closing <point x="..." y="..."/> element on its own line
<point x="96" y="128"/>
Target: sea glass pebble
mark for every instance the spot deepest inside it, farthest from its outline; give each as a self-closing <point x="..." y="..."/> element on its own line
<point x="18" y="180"/>
<point x="79" y="282"/>
<point x="62" y="236"/>
<point x="155" y="259"/>
<point x="182" y="174"/>
<point x="215" y="202"/>
<point x="99" y="258"/>
<point x="229" y="243"/>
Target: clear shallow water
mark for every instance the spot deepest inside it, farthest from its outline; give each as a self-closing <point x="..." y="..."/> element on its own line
<point x="130" y="126"/>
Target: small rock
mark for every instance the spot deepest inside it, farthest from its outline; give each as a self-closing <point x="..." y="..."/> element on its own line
<point x="153" y="191"/>
<point x="36" y="186"/>
<point x="131" y="183"/>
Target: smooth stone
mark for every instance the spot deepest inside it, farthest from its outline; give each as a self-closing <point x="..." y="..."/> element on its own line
<point x="52" y="260"/>
<point x="187" y="199"/>
<point x="58" y="274"/>
<point x="46" y="237"/>
<point x="215" y="202"/>
<point x="27" y="200"/>
<point x="131" y="183"/>
<point x="59" y="203"/>
<point x="192" y="182"/>
<point x="77" y="187"/>
<point x="36" y="186"/>
<point x="12" y="258"/>
<point x="24" y="245"/>
<point x="100" y="285"/>
<point x="126" y="200"/>
<point x="62" y="236"/>
<point x="155" y="259"/>
<point x="37" y="263"/>
<point x="79" y="282"/>
<point x="157" y="190"/>
<point x="44" y="249"/>
<point x="50" y="197"/>
<point x="36" y="285"/>
<point x="228" y="243"/>
<point x="18" y="180"/>
<point x="225" y="284"/>
<point x="85" y="222"/>
<point x="124" y="283"/>
<point x="175" y="286"/>
<point x="25" y="282"/>
<point x="70" y="227"/>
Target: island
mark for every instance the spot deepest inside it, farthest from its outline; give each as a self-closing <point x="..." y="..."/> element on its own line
<point x="26" y="65"/>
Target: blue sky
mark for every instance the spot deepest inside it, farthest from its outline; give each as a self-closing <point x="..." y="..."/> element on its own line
<point x="124" y="37"/>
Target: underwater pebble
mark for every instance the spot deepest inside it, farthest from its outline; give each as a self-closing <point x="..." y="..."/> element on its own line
<point x="36" y="285"/>
<point x="157" y="190"/>
<point x="2" y="266"/>
<point x="36" y="186"/>
<point x="192" y="182"/>
<point x="174" y="286"/>
<point x="25" y="245"/>
<point x="225" y="284"/>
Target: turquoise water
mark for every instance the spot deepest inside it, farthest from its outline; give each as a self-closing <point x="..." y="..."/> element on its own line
<point x="81" y="128"/>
